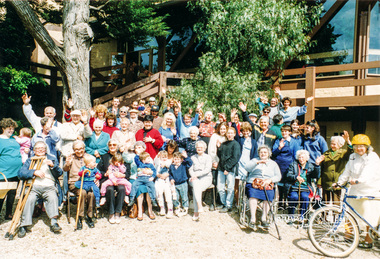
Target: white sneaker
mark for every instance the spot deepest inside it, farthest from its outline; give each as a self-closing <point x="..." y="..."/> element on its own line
<point x="195" y="218"/>
<point x="169" y="215"/>
<point x="112" y="219"/>
<point x="183" y="212"/>
<point x="177" y="212"/>
<point x="102" y="201"/>
<point x="162" y="211"/>
<point x="117" y="219"/>
<point x="126" y="199"/>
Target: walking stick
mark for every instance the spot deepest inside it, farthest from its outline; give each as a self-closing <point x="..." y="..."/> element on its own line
<point x="80" y="198"/>
<point x="35" y="161"/>
<point x="271" y="211"/>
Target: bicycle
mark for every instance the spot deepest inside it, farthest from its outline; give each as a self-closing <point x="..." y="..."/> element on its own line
<point x="334" y="230"/>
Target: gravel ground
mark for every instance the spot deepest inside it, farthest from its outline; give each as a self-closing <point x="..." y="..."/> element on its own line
<point x="216" y="235"/>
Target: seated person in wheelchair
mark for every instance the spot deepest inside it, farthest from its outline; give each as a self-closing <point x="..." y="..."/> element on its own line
<point x="262" y="173"/>
<point x="362" y="172"/>
<point x="298" y="181"/>
<point x="46" y="186"/>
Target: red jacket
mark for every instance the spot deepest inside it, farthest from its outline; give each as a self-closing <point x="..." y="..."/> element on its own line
<point x="109" y="130"/>
<point x="151" y="148"/>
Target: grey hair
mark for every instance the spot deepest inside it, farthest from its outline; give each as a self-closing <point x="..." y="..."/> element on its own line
<point x="194" y="128"/>
<point x="264" y="118"/>
<point x="40" y="142"/>
<point x="209" y="112"/>
<point x="50" y="107"/>
<point x="303" y="152"/>
<point x="267" y="148"/>
<point x="98" y="122"/>
<point x="202" y="143"/>
<point x="78" y="142"/>
<point x="140" y="144"/>
<point x="339" y="140"/>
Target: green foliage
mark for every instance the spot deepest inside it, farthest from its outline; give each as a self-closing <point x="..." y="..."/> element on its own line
<point x="14" y="83"/>
<point x="128" y="21"/>
<point x="244" y="38"/>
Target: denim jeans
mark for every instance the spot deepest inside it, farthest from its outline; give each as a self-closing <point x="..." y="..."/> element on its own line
<point x="182" y="191"/>
<point x="143" y="180"/>
<point x="293" y="202"/>
<point x="226" y="197"/>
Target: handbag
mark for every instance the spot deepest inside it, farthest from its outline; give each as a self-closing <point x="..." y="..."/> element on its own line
<point x="133" y="212"/>
<point x="258" y="183"/>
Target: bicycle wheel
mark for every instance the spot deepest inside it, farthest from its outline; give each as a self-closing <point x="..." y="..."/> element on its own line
<point x="333" y="233"/>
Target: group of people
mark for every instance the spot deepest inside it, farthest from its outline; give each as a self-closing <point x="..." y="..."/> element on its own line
<point x="119" y="156"/>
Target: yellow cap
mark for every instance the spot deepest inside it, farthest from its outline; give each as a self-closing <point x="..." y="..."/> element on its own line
<point x="361" y="139"/>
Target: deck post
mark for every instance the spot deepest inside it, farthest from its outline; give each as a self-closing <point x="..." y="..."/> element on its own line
<point x="310" y="91"/>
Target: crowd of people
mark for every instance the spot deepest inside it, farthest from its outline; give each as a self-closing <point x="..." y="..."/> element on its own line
<point x="120" y="156"/>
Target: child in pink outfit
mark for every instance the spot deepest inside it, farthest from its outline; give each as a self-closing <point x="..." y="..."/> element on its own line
<point x="24" y="140"/>
<point x="116" y="176"/>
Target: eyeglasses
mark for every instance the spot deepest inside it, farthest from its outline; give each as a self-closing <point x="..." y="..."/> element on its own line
<point x="112" y="145"/>
<point x="266" y="112"/>
<point x="123" y="111"/>
<point x="39" y="148"/>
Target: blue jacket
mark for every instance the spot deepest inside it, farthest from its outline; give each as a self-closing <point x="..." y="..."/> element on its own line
<point x="25" y="174"/>
<point x="180" y="174"/>
<point x="316" y="146"/>
<point x="292" y="113"/>
<point x="253" y="154"/>
<point x="286" y="155"/>
<point x="143" y="165"/>
<point x="101" y="145"/>
<point x="50" y="140"/>
<point x="183" y="129"/>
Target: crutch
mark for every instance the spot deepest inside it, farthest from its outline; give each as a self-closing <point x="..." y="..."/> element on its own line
<point x="80" y="198"/>
<point x="35" y="162"/>
<point x="271" y="211"/>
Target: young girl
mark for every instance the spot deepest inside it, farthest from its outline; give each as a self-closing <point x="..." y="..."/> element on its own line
<point x="116" y="176"/>
<point x="91" y="172"/>
<point x="24" y="140"/>
<point x="162" y="184"/>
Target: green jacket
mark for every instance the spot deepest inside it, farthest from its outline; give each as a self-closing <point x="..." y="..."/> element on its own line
<point x="333" y="166"/>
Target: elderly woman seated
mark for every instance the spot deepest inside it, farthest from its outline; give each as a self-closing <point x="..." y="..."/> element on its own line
<point x="298" y="181"/>
<point x="262" y="174"/>
<point x="201" y="176"/>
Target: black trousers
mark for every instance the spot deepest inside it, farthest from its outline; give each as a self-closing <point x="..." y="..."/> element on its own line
<point x="115" y="202"/>
<point x="10" y="198"/>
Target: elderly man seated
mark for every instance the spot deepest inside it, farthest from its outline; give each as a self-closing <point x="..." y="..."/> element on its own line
<point x="46" y="186"/>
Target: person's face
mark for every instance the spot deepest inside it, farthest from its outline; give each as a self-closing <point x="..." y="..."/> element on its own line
<point x="135" y="105"/>
<point x="193" y="135"/>
<point x="221" y="118"/>
<point x="8" y="132"/>
<point x="264" y="99"/>
<point x="169" y="121"/>
<point x="200" y="149"/>
<point x="187" y="120"/>
<point x="124" y="125"/>
<point x="49" y="113"/>
<point x="286" y="103"/>
<point x="177" y="161"/>
<point x="266" y="112"/>
<point x="115" y="103"/>
<point x="170" y="150"/>
<point x="123" y="113"/>
<point x="154" y="113"/>
<point x="176" y="111"/>
<point x="302" y="158"/>
<point x="223" y="130"/>
<point x="79" y="150"/>
<point x="253" y="119"/>
<point x="98" y="129"/>
<point x="208" y="117"/>
<point x="285" y="133"/>
<point x="360" y="149"/>
<point x="263" y="154"/>
<point x="236" y="118"/>
<point x="230" y="134"/>
<point x="75" y="119"/>
<point x="39" y="150"/>
<point x="310" y="129"/>
<point x="100" y="115"/>
<point x="164" y="158"/>
<point x="112" y="147"/>
<point x="133" y="115"/>
<point x="148" y="125"/>
<point x="295" y="126"/>
<point x="46" y="128"/>
<point x="117" y="163"/>
<point x="110" y="122"/>
<point x="91" y="164"/>
<point x="273" y="102"/>
<point x="139" y="149"/>
<point x="334" y="145"/>
<point x="171" y="103"/>
<point x="246" y="133"/>
<point x="264" y="124"/>
<point x="152" y="103"/>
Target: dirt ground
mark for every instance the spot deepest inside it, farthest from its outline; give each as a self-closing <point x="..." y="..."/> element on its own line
<point x="216" y="235"/>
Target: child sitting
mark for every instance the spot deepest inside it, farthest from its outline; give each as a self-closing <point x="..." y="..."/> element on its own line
<point x="90" y="174"/>
<point x="24" y="140"/>
<point x="163" y="185"/>
<point x="145" y="176"/>
<point x="178" y="177"/>
<point x="116" y="176"/>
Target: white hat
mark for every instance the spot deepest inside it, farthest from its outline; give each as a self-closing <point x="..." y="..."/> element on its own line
<point x="152" y="99"/>
<point x="76" y="112"/>
<point x="133" y="111"/>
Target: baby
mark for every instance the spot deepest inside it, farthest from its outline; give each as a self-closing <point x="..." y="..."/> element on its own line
<point x="90" y="174"/>
<point x="163" y="185"/>
<point x="24" y="140"/>
<point x="145" y="176"/>
<point x="116" y="176"/>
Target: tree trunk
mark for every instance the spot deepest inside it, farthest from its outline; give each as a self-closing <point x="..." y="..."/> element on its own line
<point x="73" y="63"/>
<point x="77" y="36"/>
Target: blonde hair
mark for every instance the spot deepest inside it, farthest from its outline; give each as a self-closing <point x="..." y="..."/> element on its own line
<point x="143" y="156"/>
<point x="87" y="158"/>
<point x="162" y="154"/>
<point x="26" y="132"/>
<point x="100" y="108"/>
<point x="166" y="116"/>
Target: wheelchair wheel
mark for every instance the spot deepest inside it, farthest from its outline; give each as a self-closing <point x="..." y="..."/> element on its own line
<point x="332" y="232"/>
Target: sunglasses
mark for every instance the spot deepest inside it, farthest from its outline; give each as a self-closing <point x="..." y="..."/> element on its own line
<point x="266" y="112"/>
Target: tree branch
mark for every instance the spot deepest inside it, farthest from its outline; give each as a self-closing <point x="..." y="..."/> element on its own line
<point x="99" y="8"/>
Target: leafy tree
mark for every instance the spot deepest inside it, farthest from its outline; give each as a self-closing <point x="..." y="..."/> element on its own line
<point x="244" y="38"/>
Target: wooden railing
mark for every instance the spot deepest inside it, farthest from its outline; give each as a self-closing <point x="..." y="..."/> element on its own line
<point x="312" y="78"/>
<point x="150" y="86"/>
